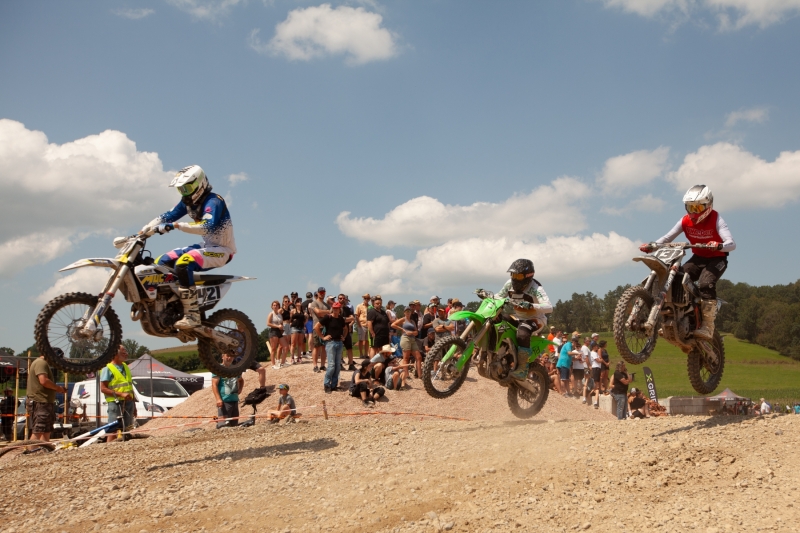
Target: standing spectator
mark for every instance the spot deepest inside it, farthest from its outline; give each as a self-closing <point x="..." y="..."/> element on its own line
<point x="335" y="326"/>
<point x="425" y="324"/>
<point x="361" y="325"/>
<point x="564" y="365"/>
<point x="550" y="337"/>
<point x="226" y="391"/>
<point x="558" y="339"/>
<point x="595" y="340"/>
<point x="297" y="322"/>
<point x="390" y="311"/>
<point x="619" y="389"/>
<point x="275" y="325"/>
<point x="8" y="410"/>
<point x="435" y="300"/>
<point x="318" y="308"/>
<point x="378" y="325"/>
<point x="459" y="325"/>
<point x="347" y="313"/>
<point x="441" y="325"/>
<point x="596" y="364"/>
<point x="309" y="323"/>
<point x="605" y="361"/>
<point x="586" y="353"/>
<point x="116" y="383"/>
<point x="286" y="406"/>
<point x="408" y="341"/>
<point x="286" y="315"/>
<point x="765" y="407"/>
<point x="638" y="405"/>
<point x="578" y="367"/>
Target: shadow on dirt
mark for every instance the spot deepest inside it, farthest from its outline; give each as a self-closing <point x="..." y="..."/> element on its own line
<point x="708" y="423"/>
<point x="292" y="448"/>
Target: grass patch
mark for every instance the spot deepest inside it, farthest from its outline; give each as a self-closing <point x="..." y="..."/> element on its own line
<point x="750" y="370"/>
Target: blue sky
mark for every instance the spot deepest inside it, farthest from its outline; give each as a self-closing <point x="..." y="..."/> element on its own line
<point x="457" y="135"/>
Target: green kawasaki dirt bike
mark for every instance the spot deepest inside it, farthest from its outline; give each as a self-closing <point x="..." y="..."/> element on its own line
<point x="490" y="338"/>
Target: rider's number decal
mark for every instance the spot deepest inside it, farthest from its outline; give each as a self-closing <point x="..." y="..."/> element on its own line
<point x="209" y="294"/>
<point x="667" y="254"/>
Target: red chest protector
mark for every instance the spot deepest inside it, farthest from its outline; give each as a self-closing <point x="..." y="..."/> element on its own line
<point x="703" y="233"/>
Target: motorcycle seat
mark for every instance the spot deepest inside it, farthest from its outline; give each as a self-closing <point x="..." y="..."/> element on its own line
<point x="210" y="279"/>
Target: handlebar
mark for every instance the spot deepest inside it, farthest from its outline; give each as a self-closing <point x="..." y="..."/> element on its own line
<point x="683" y="246"/>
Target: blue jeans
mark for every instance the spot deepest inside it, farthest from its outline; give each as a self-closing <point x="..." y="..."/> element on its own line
<point x="334" y="351"/>
<point x="622" y="405"/>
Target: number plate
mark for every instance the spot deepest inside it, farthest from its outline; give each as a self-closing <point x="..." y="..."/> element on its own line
<point x="668" y="255"/>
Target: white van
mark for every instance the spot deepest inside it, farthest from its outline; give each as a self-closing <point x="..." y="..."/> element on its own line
<point x="166" y="394"/>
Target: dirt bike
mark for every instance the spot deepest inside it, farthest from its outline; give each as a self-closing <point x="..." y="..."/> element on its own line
<point x="493" y="347"/>
<point x="80" y="333"/>
<point x="660" y="306"/>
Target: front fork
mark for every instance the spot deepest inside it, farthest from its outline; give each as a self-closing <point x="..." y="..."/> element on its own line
<point x="470" y="348"/>
<point x="92" y="318"/>
<point x="656" y="310"/>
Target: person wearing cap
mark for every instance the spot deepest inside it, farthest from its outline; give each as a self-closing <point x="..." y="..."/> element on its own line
<point x="286" y="406"/>
<point x="637" y="404"/>
<point x="226" y="392"/>
<point x="361" y="325"/>
<point x="595" y="340"/>
<point x="407" y="327"/>
<point x="317" y="309"/>
<point x="309" y="323"/>
<point x="333" y="338"/>
<point x="564" y="365"/>
<point x="441" y="325"/>
<point x="347" y="312"/>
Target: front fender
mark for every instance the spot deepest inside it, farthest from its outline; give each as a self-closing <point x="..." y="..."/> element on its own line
<point x="466" y="315"/>
<point x="103" y="262"/>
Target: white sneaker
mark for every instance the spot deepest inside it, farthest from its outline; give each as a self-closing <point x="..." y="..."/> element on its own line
<point x="277" y="367"/>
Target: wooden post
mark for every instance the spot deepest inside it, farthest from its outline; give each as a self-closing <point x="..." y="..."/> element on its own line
<point x="64" y="417"/>
<point x="16" y="399"/>
<point x="324" y="410"/>
<point x="27" y="418"/>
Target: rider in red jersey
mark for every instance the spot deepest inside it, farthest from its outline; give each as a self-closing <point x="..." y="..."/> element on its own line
<point x="702" y="225"/>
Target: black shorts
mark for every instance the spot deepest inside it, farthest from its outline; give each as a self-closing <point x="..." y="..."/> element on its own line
<point x="380" y="340"/>
<point x="358" y="388"/>
<point x="348" y="342"/>
<point x="254" y="366"/>
<point x="275" y="332"/>
<point x="578" y="373"/>
<point x="596" y="374"/>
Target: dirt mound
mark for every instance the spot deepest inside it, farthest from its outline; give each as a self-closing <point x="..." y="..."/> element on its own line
<point x="478" y="399"/>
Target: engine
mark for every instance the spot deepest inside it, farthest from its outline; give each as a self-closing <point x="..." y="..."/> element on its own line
<point x="169" y="313"/>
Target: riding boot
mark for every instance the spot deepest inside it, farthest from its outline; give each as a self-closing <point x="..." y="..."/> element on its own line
<point x="709" y="311"/>
<point x="521" y="373"/>
<point x="191" y="311"/>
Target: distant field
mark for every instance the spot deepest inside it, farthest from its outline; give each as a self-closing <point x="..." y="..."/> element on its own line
<point x="750" y="370"/>
<point x="176" y="350"/>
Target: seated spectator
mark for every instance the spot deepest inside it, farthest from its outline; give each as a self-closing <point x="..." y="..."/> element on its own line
<point x="286" y="406"/>
<point x="380" y="361"/>
<point x="362" y="385"/>
<point x="765" y="407"/>
<point x="637" y="404"/>
<point x="392" y="374"/>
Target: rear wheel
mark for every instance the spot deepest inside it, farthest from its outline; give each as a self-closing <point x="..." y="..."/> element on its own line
<point x="442" y="380"/>
<point x="19" y="447"/>
<point x="633" y="342"/>
<point x="525" y="403"/>
<point x="58" y="334"/>
<point x="234" y="324"/>
<point x="706" y="365"/>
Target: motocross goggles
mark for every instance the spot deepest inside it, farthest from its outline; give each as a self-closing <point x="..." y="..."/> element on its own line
<point x="695" y="208"/>
<point x="189" y="188"/>
<point x="520" y="276"/>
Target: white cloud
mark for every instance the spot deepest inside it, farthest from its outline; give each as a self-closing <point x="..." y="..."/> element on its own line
<point x="134" y="14"/>
<point x="54" y="193"/>
<point x="645" y="204"/>
<point x="740" y="179"/>
<point x="205" y="9"/>
<point x="755" y="114"/>
<point x="239" y="177"/>
<point x="730" y="14"/>
<point x="483" y="262"/>
<point x="320" y="31"/>
<point x="424" y="221"/>
<point x="89" y="279"/>
<point x="633" y="169"/>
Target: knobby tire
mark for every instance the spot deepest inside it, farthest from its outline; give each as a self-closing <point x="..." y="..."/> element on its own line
<point x="633" y="355"/>
<point x="208" y="352"/>
<point x="536" y="373"/>
<point x="695" y="364"/>
<point x="439" y="350"/>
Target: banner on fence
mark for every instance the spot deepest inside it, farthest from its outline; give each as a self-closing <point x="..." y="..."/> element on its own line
<point x="650" y="383"/>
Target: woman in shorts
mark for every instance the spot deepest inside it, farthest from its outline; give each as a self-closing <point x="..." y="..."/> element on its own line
<point x="275" y="325"/>
<point x="286" y="315"/>
<point x="297" y="324"/>
<point x="605" y="361"/>
<point x="408" y="342"/>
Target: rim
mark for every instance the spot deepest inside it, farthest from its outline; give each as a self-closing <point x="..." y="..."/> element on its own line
<point x="709" y="368"/>
<point x="236" y="330"/>
<point x="527" y="399"/>
<point x="635" y="338"/>
<point x="444" y="376"/>
<point x="61" y="336"/>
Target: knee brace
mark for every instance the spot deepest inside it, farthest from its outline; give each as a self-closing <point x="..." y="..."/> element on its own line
<point x="185" y="267"/>
<point x="708" y="290"/>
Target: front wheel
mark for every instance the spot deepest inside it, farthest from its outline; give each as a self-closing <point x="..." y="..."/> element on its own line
<point x="633" y="342"/>
<point x="59" y="336"/>
<point x="525" y="403"/>
<point x="234" y="324"/>
<point x="705" y="368"/>
<point x="442" y="380"/>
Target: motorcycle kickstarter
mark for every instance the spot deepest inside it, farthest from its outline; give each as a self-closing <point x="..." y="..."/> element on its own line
<point x="80" y="332"/>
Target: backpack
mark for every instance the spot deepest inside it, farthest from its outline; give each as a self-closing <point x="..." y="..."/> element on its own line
<point x="256" y="397"/>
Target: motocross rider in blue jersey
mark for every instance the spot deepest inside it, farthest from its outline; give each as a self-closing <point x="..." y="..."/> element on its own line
<point x="210" y="219"/>
<point x="529" y="303"/>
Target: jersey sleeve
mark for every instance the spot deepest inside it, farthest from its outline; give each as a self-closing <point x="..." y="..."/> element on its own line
<point x="504" y="291"/>
<point x="173" y="215"/>
<point x="215" y="214"/>
<point x="728" y="244"/>
<point x="544" y="305"/>
<point x="674" y="232"/>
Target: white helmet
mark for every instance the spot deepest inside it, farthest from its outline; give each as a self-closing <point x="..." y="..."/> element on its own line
<point x="699" y="202"/>
<point x="191" y="182"/>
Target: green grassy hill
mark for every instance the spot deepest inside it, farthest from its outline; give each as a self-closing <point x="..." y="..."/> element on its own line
<point x="750" y="370"/>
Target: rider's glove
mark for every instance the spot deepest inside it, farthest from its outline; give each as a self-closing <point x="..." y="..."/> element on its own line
<point x="647" y="248"/>
<point x="715" y="245"/>
<point x="161" y="229"/>
<point x="524" y="305"/>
